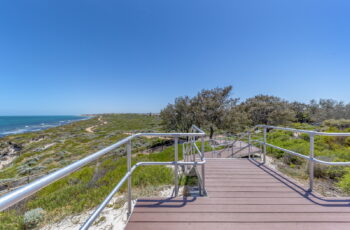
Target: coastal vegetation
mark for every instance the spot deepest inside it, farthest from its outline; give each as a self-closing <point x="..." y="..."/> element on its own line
<point x="42" y="152"/>
<point x="330" y="180"/>
<point x="232" y="116"/>
<point x="216" y="111"/>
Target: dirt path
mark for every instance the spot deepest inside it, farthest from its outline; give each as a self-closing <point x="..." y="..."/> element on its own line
<point x="91" y="128"/>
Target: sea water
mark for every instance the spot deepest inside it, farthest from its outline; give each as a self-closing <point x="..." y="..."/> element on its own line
<point x="21" y="124"/>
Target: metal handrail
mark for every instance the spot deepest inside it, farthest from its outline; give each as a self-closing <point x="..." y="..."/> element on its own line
<point x="242" y="148"/>
<point x="19" y="194"/>
<point x="227" y="144"/>
<point x="304" y="131"/>
<point x="311" y="158"/>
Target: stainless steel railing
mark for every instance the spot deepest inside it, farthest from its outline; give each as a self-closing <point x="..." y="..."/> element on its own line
<point x="311" y="157"/>
<point x="19" y="194"/>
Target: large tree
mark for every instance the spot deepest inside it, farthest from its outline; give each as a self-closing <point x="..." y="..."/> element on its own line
<point x="207" y="110"/>
<point x="210" y="107"/>
<point x="302" y="112"/>
<point x="264" y="109"/>
<point x="178" y="116"/>
<point x="236" y="120"/>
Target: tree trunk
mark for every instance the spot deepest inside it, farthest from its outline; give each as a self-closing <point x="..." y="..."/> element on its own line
<point x="211" y="132"/>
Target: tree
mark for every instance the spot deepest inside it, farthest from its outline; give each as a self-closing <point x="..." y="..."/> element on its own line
<point x="178" y="116"/>
<point x="269" y="110"/>
<point x="207" y="110"/>
<point x="327" y="109"/>
<point x="236" y="120"/>
<point x="301" y="110"/>
<point x="210" y="107"/>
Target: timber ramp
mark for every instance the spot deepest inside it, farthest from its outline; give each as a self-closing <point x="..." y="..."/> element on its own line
<point x="243" y="194"/>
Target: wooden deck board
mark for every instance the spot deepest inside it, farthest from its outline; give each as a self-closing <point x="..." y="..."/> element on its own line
<point x="243" y="195"/>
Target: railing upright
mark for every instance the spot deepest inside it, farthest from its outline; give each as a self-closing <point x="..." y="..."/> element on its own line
<point x="249" y="143"/>
<point x="232" y="148"/>
<point x="128" y="150"/>
<point x="311" y="161"/>
<point x="264" y="151"/>
<point x="176" y="168"/>
<point x="203" y="167"/>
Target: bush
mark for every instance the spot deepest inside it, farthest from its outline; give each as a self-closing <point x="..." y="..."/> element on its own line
<point x="344" y="183"/>
<point x="320" y="170"/>
<point x="347" y="141"/>
<point x="335" y="172"/>
<point x="9" y="219"/>
<point x="33" y="217"/>
<point x="340" y="124"/>
<point x="291" y="160"/>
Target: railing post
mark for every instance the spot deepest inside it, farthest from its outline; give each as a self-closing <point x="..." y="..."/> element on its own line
<point x="232" y="148"/>
<point x="249" y="143"/>
<point x="128" y="147"/>
<point x="212" y="150"/>
<point x="264" y="155"/>
<point x="203" y="167"/>
<point x="193" y="155"/>
<point x="311" y="161"/>
<point x="176" y="169"/>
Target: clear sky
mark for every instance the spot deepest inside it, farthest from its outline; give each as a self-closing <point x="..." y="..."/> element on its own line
<point x="95" y="56"/>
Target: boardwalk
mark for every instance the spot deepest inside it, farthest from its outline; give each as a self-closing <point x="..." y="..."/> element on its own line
<point x="243" y="195"/>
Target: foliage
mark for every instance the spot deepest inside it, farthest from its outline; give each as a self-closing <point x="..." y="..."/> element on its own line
<point x="210" y="107"/>
<point x="216" y="111"/>
<point x="339" y="124"/>
<point x="344" y="183"/>
<point x="207" y="109"/>
<point x="326" y="149"/>
<point x="33" y="217"/>
<point x="269" y="110"/>
<point x="178" y="116"/>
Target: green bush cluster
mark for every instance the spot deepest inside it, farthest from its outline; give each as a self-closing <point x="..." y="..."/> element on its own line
<point x="326" y="148"/>
<point x="33" y="217"/>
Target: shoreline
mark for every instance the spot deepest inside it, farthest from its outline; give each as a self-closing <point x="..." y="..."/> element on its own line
<point x="42" y="126"/>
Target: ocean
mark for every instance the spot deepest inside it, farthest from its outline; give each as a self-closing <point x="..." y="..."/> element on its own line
<point x="22" y="124"/>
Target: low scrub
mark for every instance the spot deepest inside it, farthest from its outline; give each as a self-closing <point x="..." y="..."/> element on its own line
<point x="326" y="148"/>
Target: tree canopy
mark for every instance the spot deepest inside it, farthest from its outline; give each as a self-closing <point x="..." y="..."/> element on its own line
<point x="215" y="109"/>
<point x="207" y="109"/>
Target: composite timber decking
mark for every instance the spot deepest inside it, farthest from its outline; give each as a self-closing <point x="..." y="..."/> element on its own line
<point x="243" y="195"/>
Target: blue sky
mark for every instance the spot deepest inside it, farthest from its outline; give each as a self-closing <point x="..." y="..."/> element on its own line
<point x="94" y="56"/>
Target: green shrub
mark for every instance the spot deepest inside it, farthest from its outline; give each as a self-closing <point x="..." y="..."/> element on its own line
<point x="33" y="217"/>
<point x="347" y="141"/>
<point x="9" y="219"/>
<point x="339" y="124"/>
<point x="344" y="182"/>
<point x="320" y="170"/>
<point x="291" y="160"/>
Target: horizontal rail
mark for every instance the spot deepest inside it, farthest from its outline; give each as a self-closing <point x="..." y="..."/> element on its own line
<point x="240" y="150"/>
<point x="345" y="163"/>
<point x="284" y="150"/>
<point x="198" y="129"/>
<point x="19" y="194"/>
<point x="304" y="131"/>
